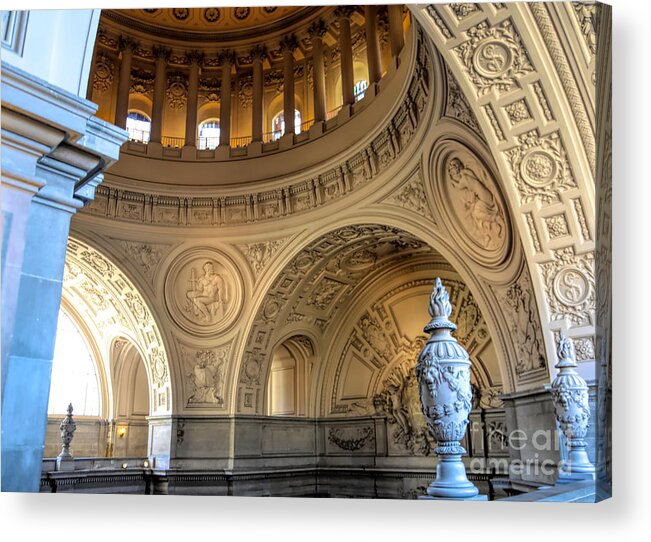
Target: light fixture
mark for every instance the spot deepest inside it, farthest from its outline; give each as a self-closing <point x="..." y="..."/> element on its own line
<point x="145" y="464"/>
<point x="121" y="431"/>
<point x="125" y="465"/>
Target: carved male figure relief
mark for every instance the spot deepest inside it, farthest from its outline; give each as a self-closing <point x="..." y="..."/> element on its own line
<point x="207" y="294"/>
<point x="480" y="205"/>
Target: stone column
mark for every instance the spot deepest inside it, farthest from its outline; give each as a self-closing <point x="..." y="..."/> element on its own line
<point x="343" y="13"/>
<point x="162" y="55"/>
<point x="258" y="54"/>
<point x="195" y="59"/>
<point x="288" y="45"/>
<point x="127" y="46"/>
<point x="227" y="59"/>
<point x="372" y="45"/>
<point x="67" y="173"/>
<point x="396" y="35"/>
<point x="571" y="407"/>
<point x="443" y="372"/>
<point x="317" y="30"/>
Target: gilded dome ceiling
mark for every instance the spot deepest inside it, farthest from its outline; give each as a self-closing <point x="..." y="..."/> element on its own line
<point x="226" y="23"/>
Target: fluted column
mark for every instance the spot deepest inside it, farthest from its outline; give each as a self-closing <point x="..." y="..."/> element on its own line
<point x="127" y="46"/>
<point x="372" y="45"/>
<point x="343" y="13"/>
<point x="195" y="59"/>
<point x="258" y="53"/>
<point x="288" y="45"/>
<point x="162" y="55"/>
<point x="396" y="35"/>
<point x="227" y="59"/>
<point x="317" y="30"/>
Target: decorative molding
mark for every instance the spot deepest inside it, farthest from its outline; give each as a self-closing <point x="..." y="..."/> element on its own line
<point x="540" y="167"/>
<point x="569" y="286"/>
<point x="350" y="439"/>
<point x="494" y="57"/>
<point x="259" y="254"/>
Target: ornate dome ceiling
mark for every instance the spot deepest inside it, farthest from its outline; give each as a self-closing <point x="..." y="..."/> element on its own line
<point x="223" y="23"/>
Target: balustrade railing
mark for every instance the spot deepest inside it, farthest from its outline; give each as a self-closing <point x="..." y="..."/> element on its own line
<point x="174" y="142"/>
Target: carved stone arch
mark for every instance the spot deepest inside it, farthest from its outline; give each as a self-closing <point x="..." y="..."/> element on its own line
<point x="269" y="306"/>
<point x="112" y="301"/>
<point x="535" y="106"/>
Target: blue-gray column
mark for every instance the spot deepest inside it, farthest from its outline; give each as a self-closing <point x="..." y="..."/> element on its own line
<point x="67" y="174"/>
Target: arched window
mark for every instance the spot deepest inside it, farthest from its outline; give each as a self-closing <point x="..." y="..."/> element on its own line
<point x="209" y="134"/>
<point x="138" y="126"/>
<point x="74" y="373"/>
<point x="359" y="89"/>
<point x="278" y="124"/>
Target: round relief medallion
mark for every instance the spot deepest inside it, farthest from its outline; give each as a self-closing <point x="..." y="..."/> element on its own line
<point x="571" y="287"/>
<point x="538" y="168"/>
<point x="203" y="291"/>
<point x="492" y="59"/>
<point x="468" y="196"/>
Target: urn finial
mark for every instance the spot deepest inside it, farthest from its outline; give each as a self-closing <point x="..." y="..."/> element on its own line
<point x="440" y="308"/>
<point x="565" y="352"/>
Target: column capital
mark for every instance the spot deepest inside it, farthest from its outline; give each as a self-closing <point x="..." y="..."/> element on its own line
<point x="344" y="12"/>
<point x="195" y="57"/>
<point x="226" y="57"/>
<point x="317" y="29"/>
<point x="161" y="53"/>
<point x="127" y="43"/>
<point x="288" y="44"/>
<point x="259" y="52"/>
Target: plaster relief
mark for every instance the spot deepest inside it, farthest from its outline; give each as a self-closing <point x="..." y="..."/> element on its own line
<point x="203" y="291"/>
<point x="468" y="196"/>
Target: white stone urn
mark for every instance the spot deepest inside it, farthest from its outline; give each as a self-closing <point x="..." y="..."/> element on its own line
<point x="68" y="428"/>
<point x="570" y="395"/>
<point x="443" y="371"/>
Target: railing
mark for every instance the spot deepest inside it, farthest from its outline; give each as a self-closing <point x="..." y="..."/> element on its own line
<point x="174" y="142"/>
<point x="141" y="136"/>
<point x="333" y="112"/>
<point x="207" y="142"/>
<point x="305" y="126"/>
<point x="240" y="141"/>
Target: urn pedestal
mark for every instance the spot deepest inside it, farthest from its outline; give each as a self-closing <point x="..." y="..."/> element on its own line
<point x="68" y="427"/>
<point x="443" y="371"/>
<point x="572" y="410"/>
